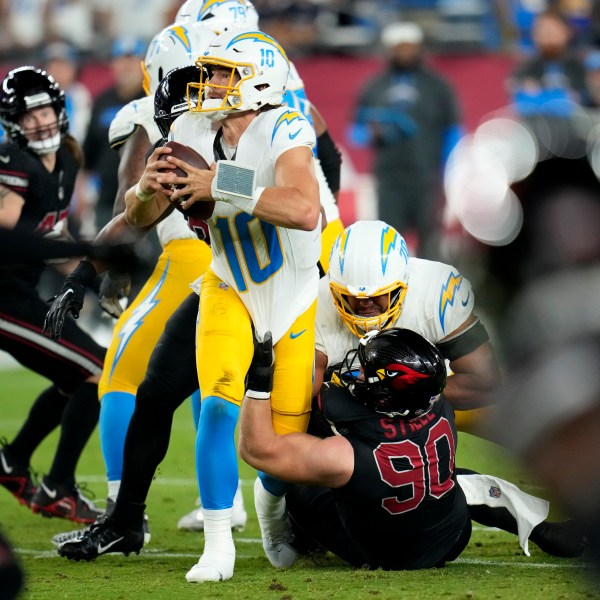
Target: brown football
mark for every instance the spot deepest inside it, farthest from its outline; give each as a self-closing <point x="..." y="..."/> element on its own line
<point x="199" y="210"/>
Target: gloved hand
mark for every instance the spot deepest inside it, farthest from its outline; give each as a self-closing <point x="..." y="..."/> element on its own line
<point x="113" y="288"/>
<point x="69" y="299"/>
<point x="259" y="381"/>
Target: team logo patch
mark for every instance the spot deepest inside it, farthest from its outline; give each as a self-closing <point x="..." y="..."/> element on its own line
<point x="448" y="294"/>
<point x="494" y="492"/>
<point x="223" y="286"/>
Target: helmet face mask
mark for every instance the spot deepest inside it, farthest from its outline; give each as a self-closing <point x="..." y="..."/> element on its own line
<point x="403" y="375"/>
<point x="255" y="70"/>
<point x="26" y="89"/>
<point x="369" y="260"/>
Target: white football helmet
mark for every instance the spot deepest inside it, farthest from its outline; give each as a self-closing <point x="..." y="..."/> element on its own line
<point x="175" y="46"/>
<point x="258" y="68"/>
<point x="219" y="15"/>
<point x="369" y="258"/>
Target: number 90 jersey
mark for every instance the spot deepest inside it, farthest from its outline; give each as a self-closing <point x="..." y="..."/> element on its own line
<point x="273" y="269"/>
<point x="402" y="505"/>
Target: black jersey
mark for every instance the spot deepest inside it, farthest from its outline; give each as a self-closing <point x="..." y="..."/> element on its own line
<point x="47" y="196"/>
<point x="402" y="505"/>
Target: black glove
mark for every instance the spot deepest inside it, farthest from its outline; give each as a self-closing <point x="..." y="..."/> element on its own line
<point x="259" y="381"/>
<point x="114" y="286"/>
<point x="69" y="299"/>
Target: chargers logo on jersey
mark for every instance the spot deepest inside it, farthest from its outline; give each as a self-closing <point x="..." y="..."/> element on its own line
<point x="448" y="295"/>
<point x="389" y="240"/>
<point x="258" y="36"/>
<point x="288" y="118"/>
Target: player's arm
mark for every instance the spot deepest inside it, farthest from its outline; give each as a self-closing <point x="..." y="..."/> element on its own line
<point x="295" y="457"/>
<point x="147" y="201"/>
<point x="294" y="202"/>
<point x="11" y="205"/>
<point x="476" y="373"/>
<point x="132" y="160"/>
<point x="327" y="152"/>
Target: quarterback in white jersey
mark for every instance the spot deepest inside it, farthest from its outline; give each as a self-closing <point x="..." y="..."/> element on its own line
<point x="265" y="234"/>
<point x="373" y="284"/>
<point x="272" y="268"/>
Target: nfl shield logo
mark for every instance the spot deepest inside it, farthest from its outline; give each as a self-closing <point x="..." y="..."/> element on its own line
<point x="495" y="492"/>
<point x="223" y="286"/>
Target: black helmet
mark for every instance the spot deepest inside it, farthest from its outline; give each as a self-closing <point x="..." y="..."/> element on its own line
<point x="24" y="89"/>
<point x="171" y="96"/>
<point x="404" y="374"/>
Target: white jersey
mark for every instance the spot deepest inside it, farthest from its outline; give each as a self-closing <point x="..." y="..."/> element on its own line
<point x="273" y="269"/>
<point x="140" y="113"/>
<point x="295" y="97"/>
<point x="439" y="299"/>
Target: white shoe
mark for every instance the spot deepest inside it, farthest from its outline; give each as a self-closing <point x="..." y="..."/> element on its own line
<point x="194" y="521"/>
<point x="213" y="566"/>
<point x="276" y="531"/>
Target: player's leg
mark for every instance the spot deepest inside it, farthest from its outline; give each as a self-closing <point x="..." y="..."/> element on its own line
<point x="290" y="401"/>
<point x="170" y="379"/>
<point x="224" y="351"/>
<point x="136" y="334"/>
<point x="496" y="502"/>
<point x="316" y="524"/>
<point x="73" y="364"/>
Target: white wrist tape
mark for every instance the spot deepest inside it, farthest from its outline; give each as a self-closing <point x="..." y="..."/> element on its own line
<point x="258" y="395"/>
<point x="142" y="196"/>
<point x="234" y="184"/>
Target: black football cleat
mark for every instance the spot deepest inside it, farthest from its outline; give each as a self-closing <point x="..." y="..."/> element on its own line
<point x="102" y="538"/>
<point x="564" y="539"/>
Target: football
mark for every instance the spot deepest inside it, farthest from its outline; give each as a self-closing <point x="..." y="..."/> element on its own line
<point x="198" y="210"/>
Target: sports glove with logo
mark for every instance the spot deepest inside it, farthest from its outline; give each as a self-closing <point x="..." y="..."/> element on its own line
<point x="69" y="299"/>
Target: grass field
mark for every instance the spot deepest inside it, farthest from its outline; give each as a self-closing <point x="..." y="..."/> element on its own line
<point x="492" y="566"/>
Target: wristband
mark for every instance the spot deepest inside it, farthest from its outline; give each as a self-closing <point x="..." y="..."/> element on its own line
<point x="84" y="273"/>
<point x="235" y="184"/>
<point x="258" y="395"/>
<point x="143" y="196"/>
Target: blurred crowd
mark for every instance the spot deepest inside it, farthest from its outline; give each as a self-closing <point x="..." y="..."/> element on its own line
<point x="303" y="26"/>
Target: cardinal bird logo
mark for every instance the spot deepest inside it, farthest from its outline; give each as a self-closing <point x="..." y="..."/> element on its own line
<point x="401" y="375"/>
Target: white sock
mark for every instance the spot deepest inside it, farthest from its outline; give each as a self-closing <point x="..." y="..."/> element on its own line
<point x="218" y="559"/>
<point x="267" y="505"/>
<point x="113" y="489"/>
<point x="217" y="531"/>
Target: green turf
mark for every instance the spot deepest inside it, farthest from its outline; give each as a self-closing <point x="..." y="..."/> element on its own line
<point x="492" y="566"/>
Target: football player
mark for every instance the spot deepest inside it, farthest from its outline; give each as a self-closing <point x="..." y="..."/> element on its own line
<point x="373" y="284"/>
<point x="379" y="486"/>
<point x="39" y="163"/>
<point x="265" y="238"/>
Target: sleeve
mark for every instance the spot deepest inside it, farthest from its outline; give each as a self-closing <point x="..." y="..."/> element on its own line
<point x="13" y="174"/>
<point x="455" y="300"/>
<point x="291" y="130"/>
